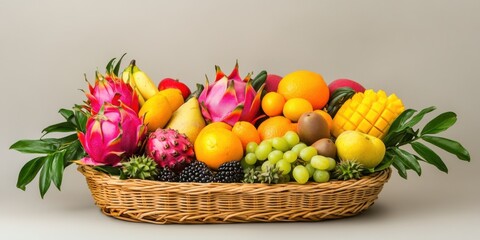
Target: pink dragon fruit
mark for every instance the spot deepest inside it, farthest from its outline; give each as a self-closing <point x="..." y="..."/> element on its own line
<point x="113" y="133"/>
<point x="230" y="99"/>
<point x="111" y="89"/>
<point x="170" y="149"/>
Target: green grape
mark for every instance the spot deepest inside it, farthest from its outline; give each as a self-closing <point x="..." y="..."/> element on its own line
<point x="275" y="156"/>
<point x="280" y="144"/>
<point x="320" y="162"/>
<point x="310" y="169"/>
<point x="300" y="174"/>
<point x="290" y="156"/>
<point x="284" y="166"/>
<point x="292" y="138"/>
<point x="332" y="164"/>
<point x="251" y="146"/>
<point x="307" y="153"/>
<point x="269" y="141"/>
<point x="263" y="150"/>
<point x="251" y="158"/>
<point x="266" y="165"/>
<point x="297" y="148"/>
<point x="321" y="176"/>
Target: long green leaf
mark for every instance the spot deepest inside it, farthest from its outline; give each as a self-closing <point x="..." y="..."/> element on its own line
<point x="384" y="164"/>
<point x="60" y="127"/>
<point x="80" y="120"/>
<point x="116" y="69"/>
<point x="57" y="168"/>
<point x="74" y="151"/>
<point x="419" y="116"/>
<point x="34" y="146"/>
<point x="45" y="176"/>
<point x="402" y="171"/>
<point x="408" y="160"/>
<point x="66" y="113"/>
<point x="429" y="155"/>
<point x="398" y="124"/>
<point x="440" y="123"/>
<point x="29" y="171"/>
<point x="449" y="145"/>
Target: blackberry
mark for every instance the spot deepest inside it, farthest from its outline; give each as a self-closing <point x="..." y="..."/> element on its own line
<point x="196" y="172"/>
<point x="167" y="175"/>
<point x="230" y="172"/>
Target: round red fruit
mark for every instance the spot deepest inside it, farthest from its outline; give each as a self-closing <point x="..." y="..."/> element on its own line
<point x="343" y="82"/>
<point x="174" y="83"/>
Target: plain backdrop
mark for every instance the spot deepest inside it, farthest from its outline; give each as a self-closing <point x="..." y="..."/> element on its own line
<point x="427" y="52"/>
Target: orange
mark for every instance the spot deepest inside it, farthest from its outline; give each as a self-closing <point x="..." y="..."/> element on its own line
<point x="274" y="127"/>
<point x="326" y="116"/>
<point x="219" y="125"/>
<point x="272" y="104"/>
<point x="246" y="132"/>
<point x="295" y="127"/>
<point x="295" y="107"/>
<point x="215" y="146"/>
<point x="305" y="84"/>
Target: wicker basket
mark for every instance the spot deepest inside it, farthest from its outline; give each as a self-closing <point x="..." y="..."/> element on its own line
<point x="164" y="202"/>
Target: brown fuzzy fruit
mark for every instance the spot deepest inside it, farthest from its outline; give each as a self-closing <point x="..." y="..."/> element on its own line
<point x="312" y="127"/>
<point x="325" y="147"/>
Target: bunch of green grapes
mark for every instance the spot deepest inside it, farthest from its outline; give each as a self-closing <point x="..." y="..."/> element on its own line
<point x="291" y="157"/>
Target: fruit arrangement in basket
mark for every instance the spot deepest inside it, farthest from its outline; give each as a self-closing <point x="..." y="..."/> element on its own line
<point x="263" y="128"/>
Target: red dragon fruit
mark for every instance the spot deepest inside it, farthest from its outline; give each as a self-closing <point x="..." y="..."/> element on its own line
<point x="230" y="99"/>
<point x="113" y="133"/>
<point x="111" y="89"/>
<point x="170" y="149"/>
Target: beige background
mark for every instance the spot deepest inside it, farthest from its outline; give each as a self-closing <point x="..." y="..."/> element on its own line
<point x="427" y="52"/>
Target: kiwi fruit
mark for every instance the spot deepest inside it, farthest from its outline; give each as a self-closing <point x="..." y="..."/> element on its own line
<point x="312" y="127"/>
<point x="325" y="147"/>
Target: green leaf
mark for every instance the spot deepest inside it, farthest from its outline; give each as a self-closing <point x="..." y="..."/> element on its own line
<point x="402" y="171"/>
<point x="419" y="116"/>
<point x="429" y="155"/>
<point x="66" y="113"/>
<point x="449" y="145"/>
<point x="117" y="66"/>
<point x="45" y="176"/>
<point x="57" y="168"/>
<point x="29" y="171"/>
<point x="440" y="123"/>
<point x="384" y="164"/>
<point x="60" y="127"/>
<point x="408" y="160"/>
<point x="399" y="122"/>
<point x="398" y="126"/>
<point x="34" y="146"/>
<point x="80" y="119"/>
<point x="74" y="151"/>
<point x="114" y="171"/>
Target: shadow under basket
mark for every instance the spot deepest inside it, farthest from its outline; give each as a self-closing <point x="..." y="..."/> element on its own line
<point x="166" y="202"/>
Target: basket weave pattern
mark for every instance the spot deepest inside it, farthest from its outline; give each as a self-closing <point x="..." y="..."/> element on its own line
<point x="165" y="202"/>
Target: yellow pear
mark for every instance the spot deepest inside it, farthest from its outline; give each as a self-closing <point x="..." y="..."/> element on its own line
<point x="188" y="119"/>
